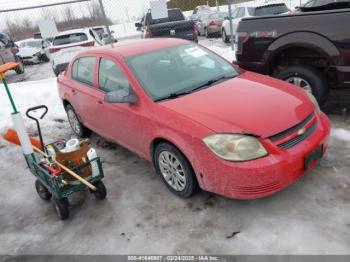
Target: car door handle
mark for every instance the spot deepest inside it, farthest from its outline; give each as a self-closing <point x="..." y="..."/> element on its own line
<point x="74" y="92"/>
<point x="100" y="102"/>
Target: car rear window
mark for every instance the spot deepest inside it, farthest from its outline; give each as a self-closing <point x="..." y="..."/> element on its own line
<point x="173" y="15"/>
<point x="218" y="16"/>
<point x="274" y="9"/>
<point x="70" y="39"/>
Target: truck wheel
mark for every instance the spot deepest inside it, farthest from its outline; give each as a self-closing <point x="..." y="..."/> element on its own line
<point x="20" y="68"/>
<point x="61" y="208"/>
<point x="78" y="128"/>
<point x="175" y="170"/>
<point x="225" y="38"/>
<point x="42" y="191"/>
<point x="308" y="78"/>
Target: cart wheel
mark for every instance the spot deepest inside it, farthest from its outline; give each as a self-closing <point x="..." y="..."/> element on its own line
<point x="43" y="193"/>
<point x="61" y="208"/>
<point x="101" y="191"/>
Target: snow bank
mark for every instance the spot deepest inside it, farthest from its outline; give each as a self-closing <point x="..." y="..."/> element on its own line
<point x="341" y="134"/>
<point x="29" y="94"/>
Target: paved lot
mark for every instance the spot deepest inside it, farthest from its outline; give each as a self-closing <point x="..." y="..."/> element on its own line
<point x="141" y="216"/>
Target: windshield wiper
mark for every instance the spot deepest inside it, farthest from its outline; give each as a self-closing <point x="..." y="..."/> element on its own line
<point x="211" y="82"/>
<point x="201" y="86"/>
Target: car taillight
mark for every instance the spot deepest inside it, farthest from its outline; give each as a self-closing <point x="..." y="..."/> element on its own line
<point x="241" y="37"/>
<point x="194" y="29"/>
<point x="54" y="50"/>
<point x="212" y="23"/>
<point x="92" y="43"/>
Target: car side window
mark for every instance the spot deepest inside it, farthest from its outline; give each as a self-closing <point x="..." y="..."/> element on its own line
<point x="83" y="70"/>
<point x="110" y="77"/>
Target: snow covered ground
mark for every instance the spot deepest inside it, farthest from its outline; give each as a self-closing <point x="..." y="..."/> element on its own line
<point x="141" y="216"/>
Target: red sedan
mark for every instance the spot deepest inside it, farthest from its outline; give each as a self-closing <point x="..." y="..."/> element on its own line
<point x="201" y="121"/>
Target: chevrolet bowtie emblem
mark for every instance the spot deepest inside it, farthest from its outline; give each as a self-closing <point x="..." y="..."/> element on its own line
<point x="301" y="131"/>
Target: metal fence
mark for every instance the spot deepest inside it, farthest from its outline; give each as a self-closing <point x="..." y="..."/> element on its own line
<point x="20" y="19"/>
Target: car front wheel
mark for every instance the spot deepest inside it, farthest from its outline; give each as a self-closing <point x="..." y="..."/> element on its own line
<point x="78" y="128"/>
<point x="175" y="170"/>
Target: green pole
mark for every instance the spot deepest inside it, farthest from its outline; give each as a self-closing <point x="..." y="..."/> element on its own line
<point x="9" y="95"/>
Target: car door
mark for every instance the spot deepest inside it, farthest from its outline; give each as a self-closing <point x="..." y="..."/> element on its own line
<point x="121" y="119"/>
<point x="85" y="92"/>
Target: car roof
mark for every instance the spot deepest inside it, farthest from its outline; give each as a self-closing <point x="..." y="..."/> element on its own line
<point x="73" y="31"/>
<point x="30" y="40"/>
<point x="129" y="48"/>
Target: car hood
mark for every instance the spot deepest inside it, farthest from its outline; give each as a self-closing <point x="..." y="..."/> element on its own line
<point x="249" y="103"/>
<point x="28" y="51"/>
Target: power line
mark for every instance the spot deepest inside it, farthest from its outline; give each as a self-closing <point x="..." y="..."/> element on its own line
<point x="41" y="6"/>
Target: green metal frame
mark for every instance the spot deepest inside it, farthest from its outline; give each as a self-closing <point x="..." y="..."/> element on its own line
<point x="54" y="183"/>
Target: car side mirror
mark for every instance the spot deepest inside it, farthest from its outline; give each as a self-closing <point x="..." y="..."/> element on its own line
<point x="138" y="25"/>
<point x="121" y="96"/>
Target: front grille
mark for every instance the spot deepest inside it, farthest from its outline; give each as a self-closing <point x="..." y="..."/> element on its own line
<point x="293" y="129"/>
<point x="296" y="140"/>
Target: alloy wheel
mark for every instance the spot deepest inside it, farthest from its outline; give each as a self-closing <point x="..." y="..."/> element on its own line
<point x="74" y="121"/>
<point x="300" y="82"/>
<point x="172" y="170"/>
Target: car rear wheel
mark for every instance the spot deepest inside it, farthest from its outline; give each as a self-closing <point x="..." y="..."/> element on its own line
<point x="20" y="68"/>
<point x="225" y="38"/>
<point x="307" y="77"/>
<point x="78" y="128"/>
<point x="175" y="170"/>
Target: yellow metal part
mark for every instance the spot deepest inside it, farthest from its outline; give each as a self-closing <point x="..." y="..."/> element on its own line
<point x="2" y="76"/>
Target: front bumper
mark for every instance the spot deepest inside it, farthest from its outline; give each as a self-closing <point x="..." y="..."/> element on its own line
<point x="262" y="177"/>
<point x="30" y="60"/>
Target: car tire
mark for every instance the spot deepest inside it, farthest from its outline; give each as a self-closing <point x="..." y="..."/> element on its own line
<point x="307" y="77"/>
<point x="20" y="68"/>
<point x="78" y="128"/>
<point x="56" y="71"/>
<point x="225" y="38"/>
<point x="42" y="191"/>
<point x="61" y="208"/>
<point x="44" y="58"/>
<point x="175" y="170"/>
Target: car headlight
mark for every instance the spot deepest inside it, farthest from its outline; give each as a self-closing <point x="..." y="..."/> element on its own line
<point x="313" y="100"/>
<point x="235" y="147"/>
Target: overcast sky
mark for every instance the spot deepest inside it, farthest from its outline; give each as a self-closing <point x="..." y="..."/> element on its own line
<point x="115" y="9"/>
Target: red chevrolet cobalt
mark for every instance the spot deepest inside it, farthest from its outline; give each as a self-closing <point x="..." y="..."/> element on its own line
<point x="201" y="121"/>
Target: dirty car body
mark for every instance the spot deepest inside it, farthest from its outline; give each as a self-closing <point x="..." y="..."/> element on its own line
<point x="244" y="135"/>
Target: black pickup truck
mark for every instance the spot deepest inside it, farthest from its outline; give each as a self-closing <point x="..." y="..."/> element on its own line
<point x="174" y="25"/>
<point x="310" y="50"/>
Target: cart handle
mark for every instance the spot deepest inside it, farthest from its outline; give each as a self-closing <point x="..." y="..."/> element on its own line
<point x="37" y="121"/>
<point x="35" y="108"/>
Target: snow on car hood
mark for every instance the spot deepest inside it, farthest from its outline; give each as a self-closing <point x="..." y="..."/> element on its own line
<point x="28" y="51"/>
<point x="249" y="103"/>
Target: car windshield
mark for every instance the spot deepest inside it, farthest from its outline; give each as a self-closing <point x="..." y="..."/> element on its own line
<point x="218" y="15"/>
<point x="32" y="44"/>
<point x="70" y="39"/>
<point x="173" y="71"/>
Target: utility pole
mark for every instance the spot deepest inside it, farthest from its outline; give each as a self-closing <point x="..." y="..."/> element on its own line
<point x="105" y="21"/>
<point x="231" y="26"/>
